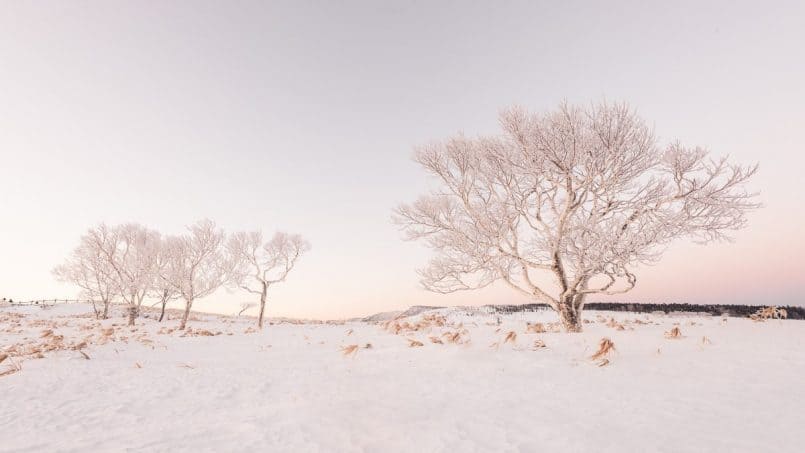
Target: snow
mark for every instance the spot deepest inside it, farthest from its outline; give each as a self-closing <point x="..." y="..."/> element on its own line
<point x="290" y="388"/>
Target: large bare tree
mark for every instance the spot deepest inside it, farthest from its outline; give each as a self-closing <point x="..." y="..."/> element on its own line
<point x="260" y="265"/>
<point x="196" y="265"/>
<point x="565" y="205"/>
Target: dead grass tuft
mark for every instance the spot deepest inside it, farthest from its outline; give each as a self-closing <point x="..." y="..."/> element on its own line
<point x="349" y="350"/>
<point x="426" y="323"/>
<point x="537" y="327"/>
<point x="455" y="338"/>
<point x="605" y="346"/>
<point x="674" y="333"/>
<point x="435" y="340"/>
<point x="414" y="343"/>
<point x="13" y="367"/>
<point x="770" y="312"/>
<point x="554" y="327"/>
<point x="538" y="344"/>
<point x="511" y="337"/>
<point x="615" y="324"/>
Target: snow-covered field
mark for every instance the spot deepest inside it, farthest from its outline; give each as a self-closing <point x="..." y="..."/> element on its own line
<point x="730" y="386"/>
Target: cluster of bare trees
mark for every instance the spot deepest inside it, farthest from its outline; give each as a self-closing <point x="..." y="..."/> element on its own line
<point x="559" y="207"/>
<point x="131" y="263"/>
<point x="564" y="205"/>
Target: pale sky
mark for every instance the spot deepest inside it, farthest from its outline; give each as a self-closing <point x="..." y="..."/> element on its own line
<point x="302" y="116"/>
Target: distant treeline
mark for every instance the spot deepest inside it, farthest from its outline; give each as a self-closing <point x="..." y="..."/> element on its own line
<point x="741" y="311"/>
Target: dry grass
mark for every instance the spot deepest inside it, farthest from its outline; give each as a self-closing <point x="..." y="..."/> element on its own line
<point x="615" y="324"/>
<point x="537" y="327"/>
<point x="770" y="312"/>
<point x="426" y="323"/>
<point x="602" y="362"/>
<point x="349" y="350"/>
<point x="554" y="327"/>
<point x="511" y="337"/>
<point x="674" y="333"/>
<point x="349" y="332"/>
<point x="190" y="332"/>
<point x="15" y="367"/>
<point x="414" y="343"/>
<point x="435" y="340"/>
<point x="538" y="344"/>
<point x="456" y="337"/>
<point x="436" y="320"/>
<point x="605" y="346"/>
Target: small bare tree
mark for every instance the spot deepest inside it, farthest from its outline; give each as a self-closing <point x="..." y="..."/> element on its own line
<point x="579" y="195"/>
<point x="244" y="307"/>
<point x="88" y="269"/>
<point x="196" y="266"/>
<point x="260" y="265"/>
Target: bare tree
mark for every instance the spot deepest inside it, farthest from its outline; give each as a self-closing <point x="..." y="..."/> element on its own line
<point x="245" y="306"/>
<point x="196" y="266"/>
<point x="565" y="205"/>
<point x="131" y="252"/>
<point x="162" y="289"/>
<point x="88" y="269"/>
<point x="260" y="265"/>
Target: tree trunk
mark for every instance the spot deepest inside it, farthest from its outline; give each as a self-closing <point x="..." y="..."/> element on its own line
<point x="133" y="313"/>
<point x="187" y="305"/>
<point x="262" y="306"/>
<point x="164" y="303"/>
<point x="106" y="309"/>
<point x="570" y="314"/>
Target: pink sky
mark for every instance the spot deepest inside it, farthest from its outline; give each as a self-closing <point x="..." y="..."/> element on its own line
<point x="303" y="116"/>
